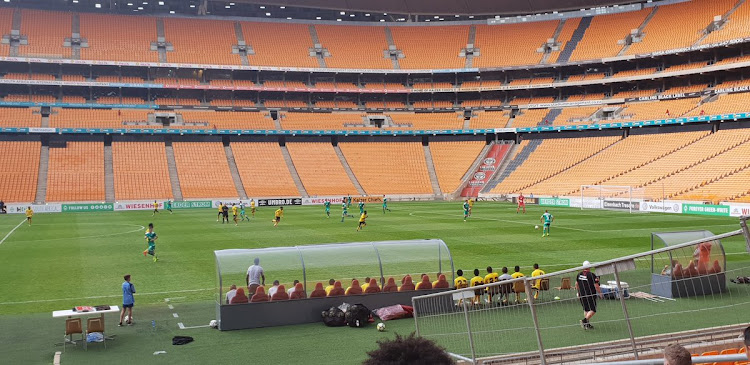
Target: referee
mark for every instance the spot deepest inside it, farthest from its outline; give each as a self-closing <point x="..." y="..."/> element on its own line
<point x="587" y="285"/>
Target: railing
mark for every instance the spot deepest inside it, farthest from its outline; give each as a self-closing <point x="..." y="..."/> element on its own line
<point x="640" y="300"/>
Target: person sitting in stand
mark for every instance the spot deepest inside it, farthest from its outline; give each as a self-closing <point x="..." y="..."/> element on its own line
<point x="231" y="293"/>
<point x="330" y="286"/>
<point x="365" y="284"/>
<point x="291" y="290"/>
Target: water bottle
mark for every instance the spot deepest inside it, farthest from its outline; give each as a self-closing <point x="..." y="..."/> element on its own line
<point x="153" y="324"/>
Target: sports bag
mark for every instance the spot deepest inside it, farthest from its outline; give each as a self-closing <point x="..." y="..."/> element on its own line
<point x="333" y="317"/>
<point x="357" y="316"/>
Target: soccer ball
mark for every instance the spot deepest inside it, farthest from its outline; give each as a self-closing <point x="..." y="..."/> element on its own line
<point x="536" y="227"/>
<point x="127" y="318"/>
<point x="557" y="298"/>
<point x="213" y="324"/>
<point x="381" y="327"/>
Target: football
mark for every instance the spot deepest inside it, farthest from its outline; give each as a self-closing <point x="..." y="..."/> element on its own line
<point x="213" y="324"/>
<point x="127" y="318"/>
<point x="536" y="227"/>
<point x="381" y="327"/>
<point x="557" y="298"/>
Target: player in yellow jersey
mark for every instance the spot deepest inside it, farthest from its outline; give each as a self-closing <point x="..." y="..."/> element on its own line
<point x="471" y="205"/>
<point x="156" y="208"/>
<point x="362" y="222"/>
<point x="252" y="207"/>
<point x="277" y="216"/>
<point x="476" y="281"/>
<point x="234" y="213"/>
<point x="536" y="287"/>
<point x="517" y="274"/>
<point x="219" y="216"/>
<point x="460" y="282"/>
<point x="29" y="214"/>
<point x="491" y="277"/>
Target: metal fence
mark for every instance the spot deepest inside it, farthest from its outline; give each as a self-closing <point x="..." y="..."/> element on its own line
<point x="674" y="289"/>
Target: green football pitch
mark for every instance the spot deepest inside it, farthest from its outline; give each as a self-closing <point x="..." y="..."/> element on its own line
<point x="70" y="259"/>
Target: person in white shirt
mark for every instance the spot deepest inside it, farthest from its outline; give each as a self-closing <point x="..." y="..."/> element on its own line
<point x="291" y="290"/>
<point x="255" y="276"/>
<point x="272" y="290"/>
<point x="231" y="293"/>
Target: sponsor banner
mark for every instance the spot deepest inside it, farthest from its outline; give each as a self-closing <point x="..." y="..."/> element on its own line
<point x="662" y="207"/>
<point x="93" y="207"/>
<point x="279" y="202"/>
<point x="739" y="210"/>
<point x="192" y="204"/>
<point x="43" y="130"/>
<point x="321" y="200"/>
<point x="526" y="200"/>
<point x="572" y="103"/>
<point x="706" y="209"/>
<point x="37" y="208"/>
<point x="621" y="204"/>
<point x="554" y="202"/>
<point x="505" y="130"/>
<point x="666" y="97"/>
<point x="138" y="205"/>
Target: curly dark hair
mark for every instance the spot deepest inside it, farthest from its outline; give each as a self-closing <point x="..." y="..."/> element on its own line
<point x="408" y="350"/>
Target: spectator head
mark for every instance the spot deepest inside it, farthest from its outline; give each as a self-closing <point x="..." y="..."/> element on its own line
<point x="256" y="260"/>
<point x="127" y="278"/>
<point x="747" y="341"/>
<point x="330" y="282"/>
<point x="367" y="279"/>
<point x="536" y="266"/>
<point x="489" y="269"/>
<point x="505" y="270"/>
<point x="476" y="272"/>
<point x="408" y="350"/>
<point x="423" y="275"/>
<point x="295" y="282"/>
<point x="460" y="272"/>
<point x="675" y="354"/>
<point x="517" y="268"/>
<point x="275" y="283"/>
<point x="233" y="287"/>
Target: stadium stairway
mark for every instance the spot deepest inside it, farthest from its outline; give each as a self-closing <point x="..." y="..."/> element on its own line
<point x="173" y="177"/>
<point x="552" y="114"/>
<point x="555" y="36"/>
<point x="513" y="164"/>
<point x="109" y="173"/>
<point x="16" y="27"/>
<point x="573" y="43"/>
<point x="725" y="16"/>
<point x="391" y="44"/>
<point x="241" y="40"/>
<point x="640" y="29"/>
<point x="293" y="172"/>
<point x="348" y="170"/>
<point x="431" y="171"/>
<point x="41" y="185"/>
<point x="494" y="151"/>
<point x="235" y="172"/>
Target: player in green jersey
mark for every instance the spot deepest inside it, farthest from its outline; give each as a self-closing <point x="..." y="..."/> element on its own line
<point x="151" y="238"/>
<point x="547" y="220"/>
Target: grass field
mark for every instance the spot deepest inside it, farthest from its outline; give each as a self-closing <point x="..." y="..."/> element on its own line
<point x="72" y="259"/>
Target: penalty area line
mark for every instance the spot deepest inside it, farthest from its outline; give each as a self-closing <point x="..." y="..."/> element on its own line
<point x="11" y="232"/>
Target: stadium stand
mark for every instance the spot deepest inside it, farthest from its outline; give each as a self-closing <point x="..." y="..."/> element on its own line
<point x="192" y="44"/>
<point x="46" y="31"/>
<point x="431" y="47"/>
<point x="277" y="44"/>
<point x="735" y="28"/>
<point x="511" y="44"/>
<point x="6" y="23"/>
<point x="140" y="171"/>
<point x="227" y="120"/>
<point x="529" y="118"/>
<point x="452" y="160"/>
<point x="76" y="172"/>
<point x="388" y="167"/>
<point x="19" y="117"/>
<point x="724" y="103"/>
<point x="660" y="109"/>
<point x="566" y="34"/>
<point x="118" y="38"/>
<point x="600" y="39"/>
<point x="319" y="169"/>
<point x="354" y="47"/>
<point x="97" y="118"/>
<point x="450" y="120"/>
<point x="20" y="165"/>
<point x="548" y="160"/>
<point x="203" y="170"/>
<point x="263" y="170"/>
<point x="291" y="120"/>
<point x="490" y="119"/>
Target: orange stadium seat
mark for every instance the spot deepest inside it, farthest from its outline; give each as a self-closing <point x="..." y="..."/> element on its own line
<point x="600" y="39"/>
<point x="228" y="120"/>
<point x="319" y="169"/>
<point x="6" y="23"/>
<point x="262" y="168"/>
<point x="76" y="172"/>
<point x="388" y="167"/>
<point x="203" y="170"/>
<point x="19" y="117"/>
<point x="511" y="44"/>
<point x="193" y="44"/>
<point x="46" y="31"/>
<point x="118" y="37"/>
<point x="277" y="44"/>
<point x="452" y="160"/>
<point x="140" y="171"/>
<point x="489" y="119"/>
<point x="566" y="34"/>
<point x="291" y="120"/>
<point x="735" y="28"/>
<point x="96" y="118"/>
<point x="450" y="120"/>
<point x="354" y="46"/>
<point x="20" y="165"/>
<point x="431" y="47"/>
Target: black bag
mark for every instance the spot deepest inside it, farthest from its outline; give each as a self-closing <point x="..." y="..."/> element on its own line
<point x="334" y="317"/>
<point x="181" y="340"/>
<point x="357" y="316"/>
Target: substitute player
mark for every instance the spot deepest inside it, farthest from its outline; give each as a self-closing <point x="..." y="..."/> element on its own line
<point x="277" y="216"/>
<point x="29" y="214"/>
<point x="235" y="210"/>
<point x="547" y="219"/>
<point x="537" y="286"/>
<point x="385" y="204"/>
<point x="151" y="238"/>
<point x="156" y="208"/>
<point x="466" y="209"/>
<point x="327" y="205"/>
<point x="362" y="222"/>
<point x="491" y="277"/>
<point x="460" y="282"/>
<point x="477" y="281"/>
<point x="521" y="204"/>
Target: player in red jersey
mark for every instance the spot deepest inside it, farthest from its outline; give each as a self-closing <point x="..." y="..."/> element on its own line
<point x="521" y="203"/>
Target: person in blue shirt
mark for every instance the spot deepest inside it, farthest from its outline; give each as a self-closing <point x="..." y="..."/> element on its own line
<point x="128" y="289"/>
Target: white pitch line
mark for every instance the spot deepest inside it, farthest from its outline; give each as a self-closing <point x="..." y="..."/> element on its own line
<point x="175" y="315"/>
<point x="170" y="306"/>
<point x="11" y="232"/>
<point x="183" y="327"/>
<point x="107" y="296"/>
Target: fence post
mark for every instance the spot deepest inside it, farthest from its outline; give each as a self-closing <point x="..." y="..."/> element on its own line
<point x="621" y="294"/>
<point x="468" y="328"/>
<point x="414" y="314"/>
<point x="530" y="300"/>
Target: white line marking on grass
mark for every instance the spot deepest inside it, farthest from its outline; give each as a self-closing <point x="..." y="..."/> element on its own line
<point x="11" y="232"/>
<point x="95" y="236"/>
<point x="183" y="327"/>
<point x="56" y="360"/>
<point x="170" y="306"/>
<point x="175" y="315"/>
<point x="107" y="296"/>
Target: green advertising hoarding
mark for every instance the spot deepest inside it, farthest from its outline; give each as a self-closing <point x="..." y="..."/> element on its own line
<point x="554" y="202"/>
<point x="191" y="204"/>
<point x="94" y="207"/>
<point x="705" y="209"/>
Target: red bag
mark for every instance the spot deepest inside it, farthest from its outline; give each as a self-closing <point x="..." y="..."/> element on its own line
<point x="394" y="312"/>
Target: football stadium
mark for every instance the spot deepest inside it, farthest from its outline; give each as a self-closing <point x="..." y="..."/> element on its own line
<point x="377" y="182"/>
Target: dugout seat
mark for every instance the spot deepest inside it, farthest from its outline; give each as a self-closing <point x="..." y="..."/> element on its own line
<point x="425" y="284"/>
<point x="407" y="285"/>
<point x="319" y="292"/>
<point x="564" y="284"/>
<point x="677" y="271"/>
<point x="299" y="292"/>
<point x="441" y="283"/>
<point x="337" y="290"/>
<point x="259" y="296"/>
<point x="280" y="294"/>
<point x="73" y="326"/>
<point x="355" y="289"/>
<point x="372" y="287"/>
<point x="96" y="324"/>
<point x="390" y="286"/>
<point x="239" y="297"/>
<point x="715" y="268"/>
<point x="518" y="288"/>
